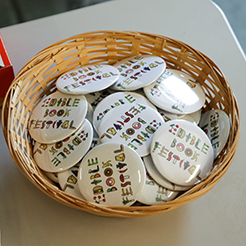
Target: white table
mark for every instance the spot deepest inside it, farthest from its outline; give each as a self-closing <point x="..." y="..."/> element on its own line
<point x="29" y="217"/>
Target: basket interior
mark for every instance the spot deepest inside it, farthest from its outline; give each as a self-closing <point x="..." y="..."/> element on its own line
<point x="37" y="79"/>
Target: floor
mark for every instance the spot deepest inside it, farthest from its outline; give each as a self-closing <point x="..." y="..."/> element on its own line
<point x="17" y="11"/>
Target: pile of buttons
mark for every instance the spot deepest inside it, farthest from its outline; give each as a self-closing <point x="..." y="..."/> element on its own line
<point x="128" y="133"/>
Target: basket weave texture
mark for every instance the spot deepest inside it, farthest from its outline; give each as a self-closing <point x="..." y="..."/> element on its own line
<point x="37" y="80"/>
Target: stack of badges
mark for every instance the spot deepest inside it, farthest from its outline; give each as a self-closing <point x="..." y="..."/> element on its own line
<point x="127" y="134"/>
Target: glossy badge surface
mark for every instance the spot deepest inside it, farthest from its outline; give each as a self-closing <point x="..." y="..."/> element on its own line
<point x="112" y="174"/>
<point x="132" y="125"/>
<point x="176" y="92"/>
<point x="216" y="124"/>
<point x="138" y="71"/>
<point x="56" y="117"/>
<point x="182" y="152"/>
<point x="64" y="154"/>
<point x="87" y="79"/>
<point x="117" y="99"/>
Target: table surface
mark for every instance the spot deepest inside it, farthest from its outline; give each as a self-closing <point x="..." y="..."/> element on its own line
<point x="29" y="217"/>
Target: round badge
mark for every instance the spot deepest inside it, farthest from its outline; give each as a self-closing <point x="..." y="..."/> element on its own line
<point x="57" y="117"/>
<point x="216" y="124"/>
<point x="132" y="125"/>
<point x="138" y="71"/>
<point x="112" y="174"/>
<point x="68" y="181"/>
<point x="193" y="117"/>
<point x="87" y="79"/>
<point x="176" y="92"/>
<point x="158" y="178"/>
<point x="182" y="152"/>
<point x="153" y="193"/>
<point x="117" y="99"/>
<point x="64" y="154"/>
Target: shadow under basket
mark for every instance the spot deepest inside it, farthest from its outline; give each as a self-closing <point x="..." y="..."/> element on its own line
<point x="37" y="80"/>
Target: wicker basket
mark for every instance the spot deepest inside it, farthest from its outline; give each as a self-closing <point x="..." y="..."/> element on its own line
<point x="37" y="79"/>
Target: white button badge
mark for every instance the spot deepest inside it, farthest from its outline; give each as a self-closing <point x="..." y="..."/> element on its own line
<point x="182" y="152"/>
<point x="117" y="99"/>
<point x="138" y="71"/>
<point x="87" y="79"/>
<point x="64" y="154"/>
<point x="112" y="174"/>
<point x="132" y="125"/>
<point x="216" y="124"/>
<point x="57" y="117"/>
<point x="176" y="92"/>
